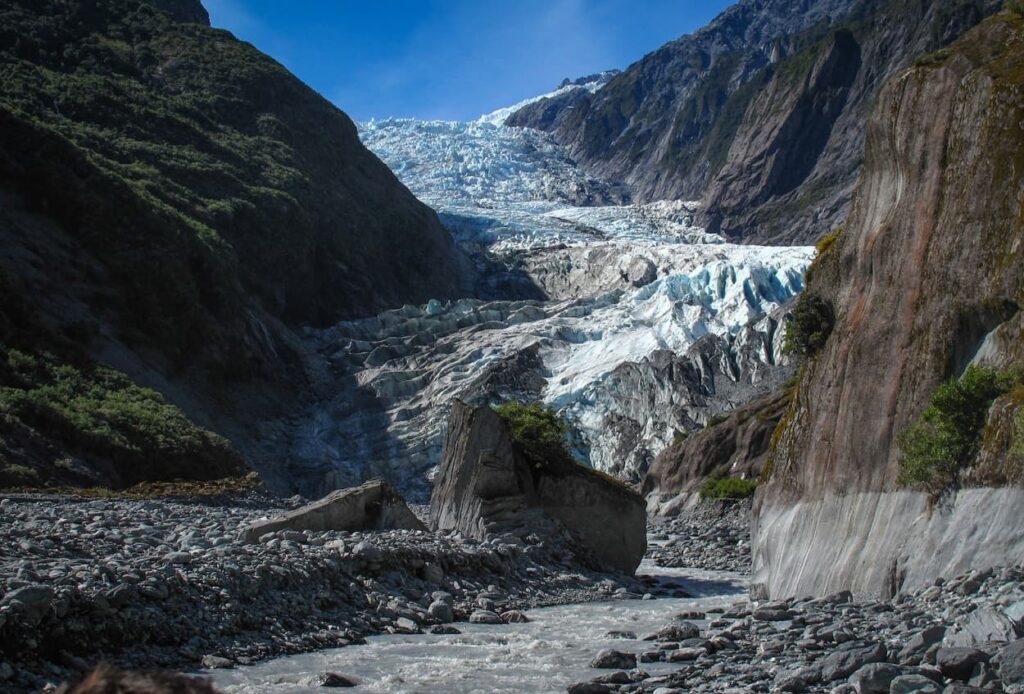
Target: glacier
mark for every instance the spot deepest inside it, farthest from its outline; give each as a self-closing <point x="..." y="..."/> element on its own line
<point x="638" y="324"/>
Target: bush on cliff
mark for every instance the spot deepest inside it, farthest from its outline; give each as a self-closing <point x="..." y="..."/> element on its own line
<point x="946" y="437"/>
<point x="539" y="432"/>
<point x="728" y="488"/>
<point x="809" y="326"/>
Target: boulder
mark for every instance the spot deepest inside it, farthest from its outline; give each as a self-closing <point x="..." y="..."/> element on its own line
<point x="958" y="663"/>
<point x="486" y="486"/>
<point x="1009" y="663"/>
<point x="373" y="505"/>
<point x="610" y="659"/>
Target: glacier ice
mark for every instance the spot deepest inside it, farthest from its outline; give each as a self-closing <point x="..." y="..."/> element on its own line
<point x="708" y="306"/>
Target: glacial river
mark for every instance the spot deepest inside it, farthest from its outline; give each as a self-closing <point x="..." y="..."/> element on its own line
<point x="545" y="655"/>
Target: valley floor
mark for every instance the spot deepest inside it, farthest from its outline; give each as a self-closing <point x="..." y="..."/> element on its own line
<point x="170" y="584"/>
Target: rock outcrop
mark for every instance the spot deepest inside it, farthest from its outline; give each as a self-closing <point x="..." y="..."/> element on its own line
<point x="487" y="486"/>
<point x="761" y="113"/>
<point x="370" y="506"/>
<point x="927" y="277"/>
<point x="736" y="446"/>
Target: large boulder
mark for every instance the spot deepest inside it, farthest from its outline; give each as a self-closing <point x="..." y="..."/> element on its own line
<point x="487" y="486"/>
<point x="373" y="505"/>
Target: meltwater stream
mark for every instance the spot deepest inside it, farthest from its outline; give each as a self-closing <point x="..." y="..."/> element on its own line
<point x="545" y="655"/>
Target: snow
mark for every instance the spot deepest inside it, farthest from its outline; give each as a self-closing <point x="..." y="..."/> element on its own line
<point x="517" y="194"/>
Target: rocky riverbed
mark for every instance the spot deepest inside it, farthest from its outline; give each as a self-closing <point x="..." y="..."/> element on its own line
<point x="713" y="535"/>
<point x="956" y="637"/>
<point x="171" y="584"/>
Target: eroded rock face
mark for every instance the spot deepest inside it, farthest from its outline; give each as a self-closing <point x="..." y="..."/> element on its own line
<point x="486" y="486"/>
<point x="761" y="112"/>
<point x="926" y="278"/>
<point x="371" y="506"/>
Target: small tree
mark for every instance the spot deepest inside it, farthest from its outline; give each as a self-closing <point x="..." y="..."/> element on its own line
<point x="809" y="326"/>
<point x="538" y="432"/>
<point x="946" y="437"/>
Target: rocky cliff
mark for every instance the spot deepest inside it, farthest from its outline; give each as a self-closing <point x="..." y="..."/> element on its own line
<point x="925" y="279"/>
<point x="487" y="485"/>
<point x="760" y="114"/>
<point x="174" y="204"/>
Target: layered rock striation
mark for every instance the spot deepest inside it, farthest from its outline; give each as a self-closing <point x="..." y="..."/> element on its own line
<point x="925" y="279"/>
<point x="487" y="486"/>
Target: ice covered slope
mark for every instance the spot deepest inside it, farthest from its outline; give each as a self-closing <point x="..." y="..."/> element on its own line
<point x="649" y="325"/>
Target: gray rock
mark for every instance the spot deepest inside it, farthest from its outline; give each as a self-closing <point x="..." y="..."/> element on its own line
<point x="514" y="617"/>
<point x="771" y="614"/>
<point x="333" y="679"/>
<point x="373" y="505"/>
<point x="797" y="680"/>
<point x="958" y="663"/>
<point x="444" y="629"/>
<point x="364" y="551"/>
<point x="215" y="662"/>
<point x="589" y="688"/>
<point x="984" y="625"/>
<point x="875" y="678"/>
<point x="1009" y="663"/>
<point x="610" y="659"/>
<point x="919" y="643"/>
<point x="6" y="672"/>
<point x="641" y="272"/>
<point x="484" y="617"/>
<point x="914" y="684"/>
<point x="441" y="611"/>
<point x="843" y="663"/>
<point x="675" y="632"/>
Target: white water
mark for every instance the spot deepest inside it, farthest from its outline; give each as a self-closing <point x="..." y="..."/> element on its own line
<point x="545" y="655"/>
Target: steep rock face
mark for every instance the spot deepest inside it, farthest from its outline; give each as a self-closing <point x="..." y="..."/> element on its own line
<point x="175" y="203"/>
<point x="927" y="276"/>
<point x="760" y="113"/>
<point x="486" y="486"/>
<point x="738" y="446"/>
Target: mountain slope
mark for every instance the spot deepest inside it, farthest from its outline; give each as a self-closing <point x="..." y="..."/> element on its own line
<point x="926" y="278"/>
<point x="175" y="203"/>
<point x="760" y="114"/>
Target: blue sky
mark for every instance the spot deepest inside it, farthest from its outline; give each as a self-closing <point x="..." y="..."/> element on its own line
<point x="453" y="59"/>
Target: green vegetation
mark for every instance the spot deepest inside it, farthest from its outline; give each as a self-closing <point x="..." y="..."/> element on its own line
<point x="827" y="241"/>
<point x="537" y="431"/>
<point x="946" y="438"/>
<point x="57" y="406"/>
<point x="679" y="436"/>
<point x="717" y="419"/>
<point x="1017" y="446"/>
<point x="154" y="490"/>
<point x="721" y="487"/>
<point x="809" y="326"/>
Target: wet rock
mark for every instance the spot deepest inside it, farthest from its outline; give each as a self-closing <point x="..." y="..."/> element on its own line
<point x="216" y="662"/>
<point x="589" y="688"/>
<point x="333" y="679"/>
<point x="484" y="617"/>
<point x="610" y="659"/>
<point x="370" y="506"/>
<point x="514" y="617"/>
<point x="444" y="629"/>
<point x="441" y="611"/>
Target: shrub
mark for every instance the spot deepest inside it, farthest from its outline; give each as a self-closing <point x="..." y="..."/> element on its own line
<point x="809" y="326"/>
<point x="538" y="432"/>
<point x="826" y="242"/>
<point x="728" y="488"/>
<point x="946" y="437"/>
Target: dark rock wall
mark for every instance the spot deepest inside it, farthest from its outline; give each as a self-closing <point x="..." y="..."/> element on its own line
<point x="927" y="275"/>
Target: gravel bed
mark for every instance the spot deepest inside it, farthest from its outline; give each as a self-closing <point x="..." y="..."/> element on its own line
<point x="713" y="535"/>
<point x="169" y="584"/>
<point x="954" y="637"/>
